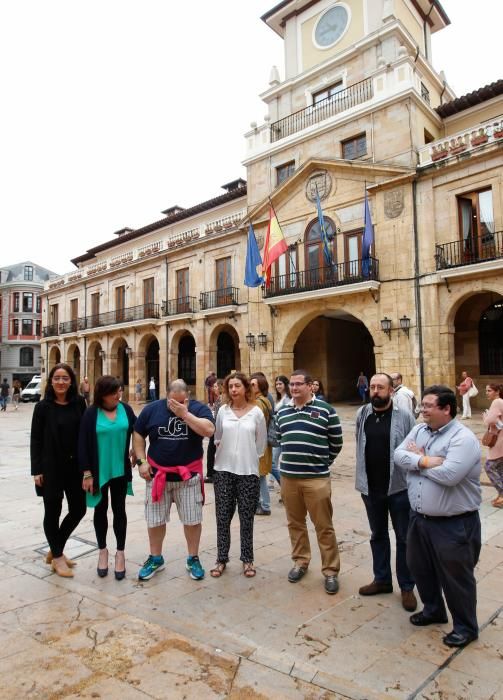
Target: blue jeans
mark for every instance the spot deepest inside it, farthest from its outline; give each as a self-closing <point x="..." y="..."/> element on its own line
<point x="276" y="451"/>
<point x="398" y="507"/>
<point x="3" y="403"/>
<point x="151" y="393"/>
<point x="265" y="496"/>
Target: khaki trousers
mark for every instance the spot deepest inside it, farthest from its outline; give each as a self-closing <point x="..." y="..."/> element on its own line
<point x="313" y="496"/>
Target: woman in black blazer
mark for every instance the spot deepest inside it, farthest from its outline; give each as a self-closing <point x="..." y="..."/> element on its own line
<point x="105" y="462"/>
<point x="54" y="465"/>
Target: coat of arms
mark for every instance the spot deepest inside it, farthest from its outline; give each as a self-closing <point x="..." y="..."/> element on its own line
<point x="320" y="181"/>
<point x="393" y="203"/>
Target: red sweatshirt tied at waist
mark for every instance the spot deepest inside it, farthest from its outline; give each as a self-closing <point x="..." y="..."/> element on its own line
<point x="185" y="471"/>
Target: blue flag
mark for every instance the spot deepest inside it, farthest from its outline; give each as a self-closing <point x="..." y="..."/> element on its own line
<point x="368" y="239"/>
<point x="253" y="259"/>
<point x="323" y="232"/>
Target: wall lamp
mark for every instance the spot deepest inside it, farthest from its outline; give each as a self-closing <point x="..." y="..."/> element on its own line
<point x="250" y="339"/>
<point x="102" y="354"/>
<point x="404" y="325"/>
<point x="128" y="350"/>
<point x="262" y="339"/>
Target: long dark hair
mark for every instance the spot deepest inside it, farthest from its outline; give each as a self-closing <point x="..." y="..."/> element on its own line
<point x="262" y="383"/>
<point x="105" y="386"/>
<point x="71" y="393"/>
<point x="496" y="387"/>
<point x="286" y="382"/>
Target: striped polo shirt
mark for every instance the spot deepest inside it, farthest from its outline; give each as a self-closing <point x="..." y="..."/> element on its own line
<point x="311" y="438"/>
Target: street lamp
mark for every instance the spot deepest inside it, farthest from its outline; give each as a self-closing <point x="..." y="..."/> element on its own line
<point x="262" y="339"/>
<point x="250" y="339"/>
<point x="386" y="326"/>
<point x="405" y="324"/>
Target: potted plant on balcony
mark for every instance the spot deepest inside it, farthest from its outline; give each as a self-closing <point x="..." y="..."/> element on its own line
<point x="440" y="151"/>
<point x="478" y="137"/>
<point x="457" y="145"/>
<point x="498" y="130"/>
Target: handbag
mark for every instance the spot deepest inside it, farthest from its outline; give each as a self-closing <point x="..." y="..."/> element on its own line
<point x="272" y="435"/>
<point x="472" y="391"/>
<point x="489" y="438"/>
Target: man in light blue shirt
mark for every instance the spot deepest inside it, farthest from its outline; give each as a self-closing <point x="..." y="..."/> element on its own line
<point x="442" y="460"/>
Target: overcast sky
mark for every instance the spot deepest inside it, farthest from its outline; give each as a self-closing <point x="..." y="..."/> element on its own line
<point x="113" y="110"/>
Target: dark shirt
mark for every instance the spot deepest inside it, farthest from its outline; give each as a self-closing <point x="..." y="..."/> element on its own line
<point x="172" y="442"/>
<point x="4" y="388"/>
<point x="377" y="451"/>
<point x="68" y="430"/>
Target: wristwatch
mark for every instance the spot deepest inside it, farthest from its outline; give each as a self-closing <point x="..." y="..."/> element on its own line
<point x="139" y="462"/>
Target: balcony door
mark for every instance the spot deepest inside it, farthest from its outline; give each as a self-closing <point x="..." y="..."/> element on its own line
<point x="74" y="313"/>
<point x="120" y="303"/>
<point x="353" y="253"/>
<point x="148" y="297"/>
<point x="223" y="282"/>
<point x="95" y="309"/>
<point x="286" y="271"/>
<point x="476" y="225"/>
<point x="318" y="271"/>
<point x="182" y="291"/>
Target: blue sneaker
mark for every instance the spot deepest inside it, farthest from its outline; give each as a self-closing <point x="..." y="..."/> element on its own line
<point x="151" y="567"/>
<point x="194" y="568"/>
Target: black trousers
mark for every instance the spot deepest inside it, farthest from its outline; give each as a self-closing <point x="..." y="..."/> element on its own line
<point x="57" y="534"/>
<point x="118" y="490"/>
<point x="210" y="458"/>
<point x="232" y="489"/>
<point x="442" y="555"/>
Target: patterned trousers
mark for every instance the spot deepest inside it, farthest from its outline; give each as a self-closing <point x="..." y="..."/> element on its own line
<point x="231" y="490"/>
<point x="494" y="470"/>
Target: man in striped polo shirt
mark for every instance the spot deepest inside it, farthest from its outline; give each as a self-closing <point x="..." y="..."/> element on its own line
<point x="311" y="438"/>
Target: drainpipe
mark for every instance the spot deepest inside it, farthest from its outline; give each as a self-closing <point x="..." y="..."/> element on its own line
<point x="417" y="289"/>
<point x="85" y="337"/>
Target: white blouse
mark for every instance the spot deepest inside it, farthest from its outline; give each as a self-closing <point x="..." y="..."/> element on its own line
<point x="240" y="441"/>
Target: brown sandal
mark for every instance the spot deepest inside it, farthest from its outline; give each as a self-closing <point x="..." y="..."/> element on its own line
<point x="218" y="569"/>
<point x="248" y="569"/>
<point x="498" y="502"/>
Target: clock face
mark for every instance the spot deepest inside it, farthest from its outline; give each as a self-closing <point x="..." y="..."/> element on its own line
<point x="331" y="26"/>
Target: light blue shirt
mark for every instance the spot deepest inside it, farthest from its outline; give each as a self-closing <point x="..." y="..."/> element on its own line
<point x="453" y="487"/>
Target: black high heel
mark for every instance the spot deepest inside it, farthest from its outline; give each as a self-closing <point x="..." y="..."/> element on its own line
<point x="119" y="575"/>
<point x="102" y="572"/>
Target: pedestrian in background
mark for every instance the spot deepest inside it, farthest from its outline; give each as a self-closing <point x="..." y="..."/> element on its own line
<point x="210" y="451"/>
<point x="151" y="389"/>
<point x="16" y="393"/>
<point x="85" y="390"/>
<point x="466" y="389"/>
<point x="54" y="464"/>
<point x="105" y="463"/>
<point x="362" y="386"/>
<point x="283" y="396"/>
<point x="493" y="420"/>
<point x="318" y="389"/>
<point x="138" y="389"/>
<point x="4" y="394"/>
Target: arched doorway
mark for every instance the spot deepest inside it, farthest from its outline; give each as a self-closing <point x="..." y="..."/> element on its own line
<point x="335" y="348"/>
<point x="119" y="363"/>
<point x="318" y="269"/>
<point x="95" y="355"/>
<point x="152" y="364"/>
<point x="74" y="360"/>
<point x="478" y="349"/>
<point x="187" y="359"/>
<point x="226" y="354"/>
<point x="54" y="357"/>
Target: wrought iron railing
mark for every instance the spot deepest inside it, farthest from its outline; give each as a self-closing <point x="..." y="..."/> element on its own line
<point x="219" y="297"/>
<point x="77" y="324"/>
<point x="469" y="251"/>
<point x="340" y="102"/>
<point x="350" y="272"/>
<point x="182" y="305"/>
<point x="50" y="330"/>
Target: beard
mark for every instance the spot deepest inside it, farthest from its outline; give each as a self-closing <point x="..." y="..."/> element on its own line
<point x="378" y="402"/>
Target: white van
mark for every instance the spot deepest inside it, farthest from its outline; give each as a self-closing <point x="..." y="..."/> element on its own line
<point x="32" y="391"/>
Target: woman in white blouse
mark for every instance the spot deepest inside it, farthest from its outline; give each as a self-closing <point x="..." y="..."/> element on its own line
<point x="240" y="439"/>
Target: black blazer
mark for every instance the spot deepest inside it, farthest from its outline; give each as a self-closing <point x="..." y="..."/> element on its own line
<point x="45" y="443"/>
<point x="88" y="444"/>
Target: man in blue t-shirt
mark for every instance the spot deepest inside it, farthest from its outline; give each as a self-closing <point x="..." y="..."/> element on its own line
<point x="173" y="471"/>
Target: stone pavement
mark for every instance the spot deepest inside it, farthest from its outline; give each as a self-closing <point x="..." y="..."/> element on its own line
<point x="228" y="638"/>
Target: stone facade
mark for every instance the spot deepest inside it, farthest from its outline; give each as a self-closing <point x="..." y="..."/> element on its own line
<point x="364" y="116"/>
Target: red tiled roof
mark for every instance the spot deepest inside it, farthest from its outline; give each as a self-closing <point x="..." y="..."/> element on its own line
<point x="472" y="98"/>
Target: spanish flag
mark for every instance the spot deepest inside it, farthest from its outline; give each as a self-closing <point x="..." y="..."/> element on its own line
<point x="275" y="245"/>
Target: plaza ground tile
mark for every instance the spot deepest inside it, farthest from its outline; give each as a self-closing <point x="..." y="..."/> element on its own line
<point x="457" y="685"/>
<point x="107" y="689"/>
<point x="397" y="676"/>
<point x="20" y="590"/>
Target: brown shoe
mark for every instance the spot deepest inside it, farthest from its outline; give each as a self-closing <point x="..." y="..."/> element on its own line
<point x="409" y="601"/>
<point x="375" y="588"/>
<point x="69" y="562"/>
<point x="61" y="569"/>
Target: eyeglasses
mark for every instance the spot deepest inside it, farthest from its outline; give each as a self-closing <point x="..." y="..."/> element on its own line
<point x="297" y="383"/>
<point x="426" y="406"/>
<point x="66" y="380"/>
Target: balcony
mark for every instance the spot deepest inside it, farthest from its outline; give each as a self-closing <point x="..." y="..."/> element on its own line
<point x="219" y="297"/>
<point x="182" y="305"/>
<point x="126" y="315"/>
<point x="469" y="252"/>
<point x="345" y="99"/>
<point x="50" y="330"/>
<point x="321" y="278"/>
<point x="461" y="144"/>
<point x="77" y="324"/>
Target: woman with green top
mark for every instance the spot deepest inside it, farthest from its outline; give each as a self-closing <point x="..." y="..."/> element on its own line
<point x="105" y="462"/>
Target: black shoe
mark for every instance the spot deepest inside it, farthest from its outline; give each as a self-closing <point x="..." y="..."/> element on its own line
<point x="119" y="575"/>
<point x="421" y="620"/>
<point x="453" y="639"/>
<point x="296" y="573"/>
<point x="331" y="584"/>
<point x="261" y="511"/>
<point x="102" y="572"/>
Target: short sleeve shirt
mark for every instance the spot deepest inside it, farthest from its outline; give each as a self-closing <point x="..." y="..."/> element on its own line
<point x="171" y="442"/>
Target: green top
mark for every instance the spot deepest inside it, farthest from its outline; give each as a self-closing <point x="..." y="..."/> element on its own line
<point x="111" y="435"/>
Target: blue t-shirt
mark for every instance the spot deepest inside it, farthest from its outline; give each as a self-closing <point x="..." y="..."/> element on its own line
<point x="171" y="442"/>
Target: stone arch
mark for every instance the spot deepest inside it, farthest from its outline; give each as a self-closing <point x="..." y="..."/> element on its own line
<point x="74" y="360"/>
<point x="119" y="362"/>
<point x="224" y="350"/>
<point x="333" y="345"/>
<point x="54" y="357"/>
<point x="94" y="362"/>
